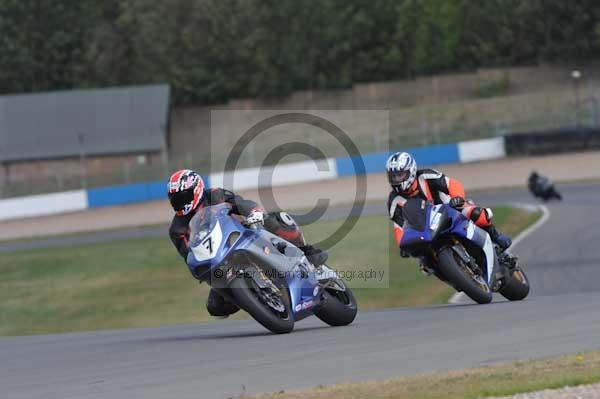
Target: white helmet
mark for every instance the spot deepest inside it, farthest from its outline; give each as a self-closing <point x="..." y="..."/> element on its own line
<point x="401" y="170"/>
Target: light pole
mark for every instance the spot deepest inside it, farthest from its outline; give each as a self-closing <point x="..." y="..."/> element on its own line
<point x="576" y="75"/>
<point x="164" y="128"/>
<point x="83" y="170"/>
<point x="4" y="179"/>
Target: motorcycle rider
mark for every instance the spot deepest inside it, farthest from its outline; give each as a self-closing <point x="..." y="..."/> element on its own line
<point x="541" y="186"/>
<point x="187" y="194"/>
<point x="408" y="182"/>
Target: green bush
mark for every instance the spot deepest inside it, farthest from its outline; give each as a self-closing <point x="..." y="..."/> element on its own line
<point x="214" y="50"/>
<point x="494" y="88"/>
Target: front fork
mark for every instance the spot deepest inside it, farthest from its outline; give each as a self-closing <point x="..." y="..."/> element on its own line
<point x="428" y="262"/>
<point x="508" y="260"/>
<point x="508" y="265"/>
<point x="328" y="279"/>
<point x="462" y="253"/>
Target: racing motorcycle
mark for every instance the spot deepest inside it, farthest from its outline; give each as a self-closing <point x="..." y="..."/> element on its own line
<point x="455" y="250"/>
<point x="541" y="187"/>
<point x="263" y="274"/>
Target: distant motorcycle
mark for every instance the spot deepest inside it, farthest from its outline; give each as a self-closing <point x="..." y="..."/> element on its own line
<point x="459" y="253"/>
<point x="263" y="274"/>
<point x="542" y="188"/>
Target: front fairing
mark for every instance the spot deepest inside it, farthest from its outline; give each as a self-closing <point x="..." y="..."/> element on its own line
<point x="424" y="223"/>
<point x="463" y="227"/>
<point x="213" y="234"/>
<point x="291" y="266"/>
<point x="466" y="229"/>
<point x="435" y="222"/>
<point x="442" y="220"/>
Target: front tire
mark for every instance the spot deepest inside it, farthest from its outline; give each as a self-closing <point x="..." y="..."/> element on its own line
<point x="338" y="308"/>
<point x="462" y="278"/>
<point x="516" y="286"/>
<point x="247" y="296"/>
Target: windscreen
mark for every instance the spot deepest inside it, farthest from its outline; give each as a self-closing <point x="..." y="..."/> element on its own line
<point x="204" y="221"/>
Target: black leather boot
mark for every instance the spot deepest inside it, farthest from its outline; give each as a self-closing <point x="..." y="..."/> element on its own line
<point x="218" y="306"/>
<point x="500" y="239"/>
<point x="314" y="255"/>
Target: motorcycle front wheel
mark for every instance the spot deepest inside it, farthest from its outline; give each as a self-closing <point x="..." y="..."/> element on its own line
<point x="462" y="278"/>
<point x="271" y="309"/>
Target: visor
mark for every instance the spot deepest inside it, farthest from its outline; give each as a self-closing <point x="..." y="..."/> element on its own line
<point x="180" y="199"/>
<point x="399" y="177"/>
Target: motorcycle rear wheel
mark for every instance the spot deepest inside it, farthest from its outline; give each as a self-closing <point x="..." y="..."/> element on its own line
<point x="516" y="286"/>
<point x="248" y="297"/>
<point x="461" y="277"/>
<point x="338" y="308"/>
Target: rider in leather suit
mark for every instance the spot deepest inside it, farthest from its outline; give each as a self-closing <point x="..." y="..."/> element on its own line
<point x="408" y="182"/>
<point x="187" y="194"/>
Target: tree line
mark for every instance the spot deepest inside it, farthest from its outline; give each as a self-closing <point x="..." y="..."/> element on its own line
<point x="212" y="50"/>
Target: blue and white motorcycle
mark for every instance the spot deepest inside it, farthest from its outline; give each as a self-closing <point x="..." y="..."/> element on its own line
<point x="263" y="274"/>
<point x="459" y="253"/>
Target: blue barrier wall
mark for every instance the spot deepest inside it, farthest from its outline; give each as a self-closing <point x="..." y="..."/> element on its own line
<point x="462" y="152"/>
<point x="129" y="193"/>
<point x="126" y="194"/>
<point x="375" y="163"/>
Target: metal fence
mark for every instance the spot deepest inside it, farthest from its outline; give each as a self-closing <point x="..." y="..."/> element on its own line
<point x="565" y="105"/>
<point x="438" y="123"/>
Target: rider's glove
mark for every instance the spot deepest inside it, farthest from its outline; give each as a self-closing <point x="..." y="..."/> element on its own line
<point x="457" y="203"/>
<point x="256" y="217"/>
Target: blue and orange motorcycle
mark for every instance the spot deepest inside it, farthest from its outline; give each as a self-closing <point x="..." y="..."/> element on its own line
<point x="455" y="250"/>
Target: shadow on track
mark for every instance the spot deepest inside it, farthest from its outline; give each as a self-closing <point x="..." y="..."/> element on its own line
<point x="231" y="335"/>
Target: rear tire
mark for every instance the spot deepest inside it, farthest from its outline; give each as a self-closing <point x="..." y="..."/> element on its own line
<point x="455" y="271"/>
<point x="247" y="299"/>
<point x="338" y="308"/>
<point x="516" y="286"/>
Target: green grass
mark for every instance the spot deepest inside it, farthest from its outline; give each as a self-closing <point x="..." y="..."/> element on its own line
<point x="499" y="380"/>
<point x="144" y="282"/>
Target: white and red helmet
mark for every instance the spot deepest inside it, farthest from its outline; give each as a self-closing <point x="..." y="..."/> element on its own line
<point x="185" y="191"/>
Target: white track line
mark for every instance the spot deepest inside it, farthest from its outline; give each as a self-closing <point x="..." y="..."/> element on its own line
<point x="525" y="233"/>
<point x="460" y="297"/>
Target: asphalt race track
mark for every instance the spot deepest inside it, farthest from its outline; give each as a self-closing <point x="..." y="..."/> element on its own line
<point x="231" y="358"/>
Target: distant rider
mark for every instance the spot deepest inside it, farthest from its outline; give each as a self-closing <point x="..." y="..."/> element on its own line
<point x="541" y="186"/>
<point x="187" y="194"/>
<point x="428" y="184"/>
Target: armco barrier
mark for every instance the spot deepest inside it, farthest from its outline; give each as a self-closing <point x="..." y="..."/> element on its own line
<point x="43" y="204"/>
<point x="481" y="150"/>
<point x="375" y="163"/>
<point x="553" y="142"/>
<point x="279" y="175"/>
